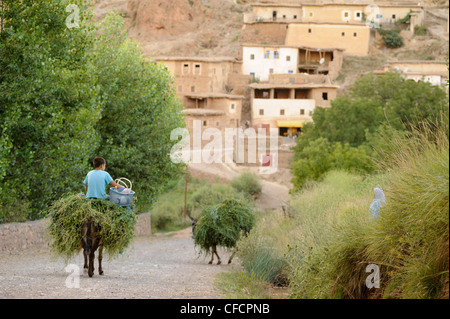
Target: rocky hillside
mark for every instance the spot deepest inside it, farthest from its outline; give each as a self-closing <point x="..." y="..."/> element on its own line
<point x="213" y="27"/>
<point x="181" y="27"/>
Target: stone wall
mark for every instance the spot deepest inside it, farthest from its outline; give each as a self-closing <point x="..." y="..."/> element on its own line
<point x="32" y="234"/>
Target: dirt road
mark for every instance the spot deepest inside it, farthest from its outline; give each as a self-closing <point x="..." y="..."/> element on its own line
<point x="273" y="193"/>
<point x="162" y="266"/>
<point x="159" y="266"/>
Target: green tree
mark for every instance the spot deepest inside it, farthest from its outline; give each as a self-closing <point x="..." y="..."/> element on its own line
<point x="140" y="111"/>
<point x="342" y="136"/>
<point x="48" y="103"/>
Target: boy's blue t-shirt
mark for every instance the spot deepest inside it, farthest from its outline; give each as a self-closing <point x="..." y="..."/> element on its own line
<point x="96" y="180"/>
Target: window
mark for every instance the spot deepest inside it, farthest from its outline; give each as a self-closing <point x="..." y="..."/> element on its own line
<point x="343" y="34"/>
<point x="205" y="123"/>
<point x="302" y="111"/>
<point x="217" y="123"/>
<point x="393" y="16"/>
<point x="267" y="55"/>
<point x="355" y="34"/>
<point x="197" y="69"/>
<point x="346" y="15"/>
<point x="311" y="14"/>
<point x="252" y="56"/>
<point x="271" y="71"/>
<point x="284" y="16"/>
<point x="358" y="15"/>
<point x="185" y="68"/>
<point x="295" y="17"/>
<point x="282" y="112"/>
<point x="233" y="106"/>
<point x="309" y="31"/>
<point x="276" y="55"/>
<point x="325" y="96"/>
<point x="261" y="112"/>
<point x="288" y="58"/>
<point x="192" y="88"/>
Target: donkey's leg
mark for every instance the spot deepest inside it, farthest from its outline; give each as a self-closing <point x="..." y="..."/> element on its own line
<point x="232" y="256"/>
<point x="212" y="255"/>
<point x="219" y="262"/>
<point x="215" y="251"/>
<point x="100" y="257"/>
<point x="85" y="254"/>
<point x="91" y="263"/>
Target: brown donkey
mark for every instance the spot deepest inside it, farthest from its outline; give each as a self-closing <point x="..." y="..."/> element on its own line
<point x="91" y="240"/>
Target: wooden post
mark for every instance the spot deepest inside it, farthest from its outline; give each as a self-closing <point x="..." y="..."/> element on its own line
<point x="185" y="191"/>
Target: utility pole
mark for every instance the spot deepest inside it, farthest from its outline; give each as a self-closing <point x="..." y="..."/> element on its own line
<point x="185" y="190"/>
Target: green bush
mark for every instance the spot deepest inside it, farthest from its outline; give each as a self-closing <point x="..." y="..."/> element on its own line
<point x="420" y="30"/>
<point x="262" y="251"/>
<point x="409" y="241"/>
<point x="247" y="183"/>
<point x="393" y="40"/>
<point x="207" y="195"/>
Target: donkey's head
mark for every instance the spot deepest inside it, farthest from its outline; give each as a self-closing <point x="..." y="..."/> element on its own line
<point x="194" y="224"/>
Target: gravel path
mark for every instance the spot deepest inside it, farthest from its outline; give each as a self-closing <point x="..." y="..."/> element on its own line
<point x="162" y="266"/>
<point x="159" y="266"/>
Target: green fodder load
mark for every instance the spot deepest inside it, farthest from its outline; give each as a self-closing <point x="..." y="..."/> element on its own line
<point x="222" y="224"/>
<point x="68" y="214"/>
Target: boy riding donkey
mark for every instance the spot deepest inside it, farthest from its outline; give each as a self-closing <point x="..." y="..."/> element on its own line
<point x="95" y="181"/>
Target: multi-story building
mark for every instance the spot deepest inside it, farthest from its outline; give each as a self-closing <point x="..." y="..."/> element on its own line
<point x="200" y="75"/>
<point x="262" y="60"/>
<point x="434" y="72"/>
<point x="288" y="106"/>
<point x="354" y="38"/>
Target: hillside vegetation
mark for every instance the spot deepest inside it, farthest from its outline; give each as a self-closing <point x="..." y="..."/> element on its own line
<point x="323" y="248"/>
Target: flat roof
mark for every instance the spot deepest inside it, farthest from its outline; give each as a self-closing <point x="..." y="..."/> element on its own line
<point x="288" y="5"/>
<point x="359" y="24"/>
<point x="416" y="62"/>
<point x="424" y="73"/>
<point x="196" y="58"/>
<point x="213" y="95"/>
<point x="291" y="46"/>
<point x="292" y="86"/>
<point x="386" y="4"/>
<point x="202" y="112"/>
<point x="362" y="3"/>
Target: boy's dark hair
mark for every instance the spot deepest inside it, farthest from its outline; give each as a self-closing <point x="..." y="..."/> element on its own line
<point x="98" y="161"/>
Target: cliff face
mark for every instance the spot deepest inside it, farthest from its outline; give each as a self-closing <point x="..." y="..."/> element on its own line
<point x="181" y="27"/>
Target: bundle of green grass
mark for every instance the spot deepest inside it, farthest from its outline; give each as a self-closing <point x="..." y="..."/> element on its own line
<point x="68" y="214"/>
<point x="223" y="224"/>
